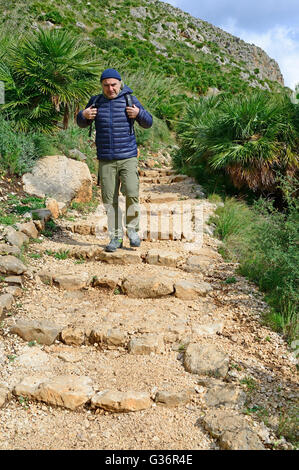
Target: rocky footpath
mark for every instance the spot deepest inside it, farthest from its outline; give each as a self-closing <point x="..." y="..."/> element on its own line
<point x="147" y="348"/>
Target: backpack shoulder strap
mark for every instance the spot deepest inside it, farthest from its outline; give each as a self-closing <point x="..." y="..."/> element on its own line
<point x="129" y="102"/>
<point x="96" y="100"/>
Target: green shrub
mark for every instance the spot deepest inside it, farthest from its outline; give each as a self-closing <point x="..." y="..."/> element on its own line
<point x="154" y="138"/>
<point x="54" y="16"/>
<point x="99" y="31"/>
<point x="232" y="219"/>
<point x="7" y="219"/>
<point x="248" y="137"/>
<point x="50" y="228"/>
<point x="46" y="72"/>
<point x="265" y="243"/>
<point x="288" y="424"/>
<point x="27" y="204"/>
<point x="18" y="151"/>
<point x="61" y="254"/>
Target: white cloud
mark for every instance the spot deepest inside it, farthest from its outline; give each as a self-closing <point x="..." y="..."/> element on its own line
<point x="279" y="42"/>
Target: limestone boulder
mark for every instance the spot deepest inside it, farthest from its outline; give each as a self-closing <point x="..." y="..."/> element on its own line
<point x="11" y="265"/>
<point x="6" y="301"/>
<point x="53" y="206"/>
<point x="67" y="391"/>
<point x="205" y="360"/>
<point x="197" y="264"/>
<point x="158" y="198"/>
<point x="171" y="398"/>
<point x="107" y="281"/>
<point x="73" y="336"/>
<point x="98" y="336"/>
<point x="219" y="393"/>
<point x="14" y="280"/>
<point x="33" y="358"/>
<point x="42" y="332"/>
<point x="28" y="228"/>
<point x="147" y="287"/>
<point x="234" y="431"/>
<point x="15" y="237"/>
<point x="81" y="228"/>
<point x="188" y="290"/>
<point x="139" y="12"/>
<point x="163" y="258"/>
<point x="150" y="343"/>
<point x="4" y="394"/>
<point x="60" y="178"/>
<point x="85" y="252"/>
<point x="116" y="401"/>
<point x="179" y="178"/>
<point x="46" y="277"/>
<point x="120" y="257"/>
<point x="27" y="387"/>
<point x="116" y="337"/>
<point x="207" y="326"/>
<point x="15" y="291"/>
<point x="72" y="281"/>
<point x="9" y="250"/>
<point x="76" y="154"/>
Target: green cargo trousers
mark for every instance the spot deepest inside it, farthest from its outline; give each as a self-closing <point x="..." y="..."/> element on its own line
<point x="120" y="175"/>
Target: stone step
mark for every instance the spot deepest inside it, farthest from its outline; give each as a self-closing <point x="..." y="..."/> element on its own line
<point x="162" y="217"/>
<point x="163" y="179"/>
<point x="88" y="395"/>
<point x="155" y="256"/>
<point x="113" y="336"/>
<point x="156" y="172"/>
<point x="204" y="258"/>
<point x="158" y="198"/>
<point x="148" y="286"/>
<point x="73" y="393"/>
<point x="151" y="229"/>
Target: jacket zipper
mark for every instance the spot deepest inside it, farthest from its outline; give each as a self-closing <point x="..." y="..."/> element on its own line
<point x="111" y="129"/>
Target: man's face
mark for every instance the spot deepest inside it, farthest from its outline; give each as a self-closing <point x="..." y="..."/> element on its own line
<point x="111" y="87"/>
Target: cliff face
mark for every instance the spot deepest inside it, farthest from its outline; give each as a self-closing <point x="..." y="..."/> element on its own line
<point x="233" y="51"/>
<point x="253" y="56"/>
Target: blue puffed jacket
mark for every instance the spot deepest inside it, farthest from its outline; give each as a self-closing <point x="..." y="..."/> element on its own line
<point x="114" y="141"/>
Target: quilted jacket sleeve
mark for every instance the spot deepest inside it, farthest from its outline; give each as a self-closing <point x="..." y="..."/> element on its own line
<point x="81" y="120"/>
<point x="144" y="118"/>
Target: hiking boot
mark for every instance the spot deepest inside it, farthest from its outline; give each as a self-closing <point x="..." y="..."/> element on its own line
<point x="134" y="239"/>
<point x="114" y="244"/>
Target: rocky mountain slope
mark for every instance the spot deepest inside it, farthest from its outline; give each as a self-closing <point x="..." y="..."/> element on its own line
<point x="193" y="32"/>
<point x="155" y="33"/>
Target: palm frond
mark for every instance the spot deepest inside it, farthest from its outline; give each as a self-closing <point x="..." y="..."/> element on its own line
<point x="249" y="137"/>
<point x="45" y="72"/>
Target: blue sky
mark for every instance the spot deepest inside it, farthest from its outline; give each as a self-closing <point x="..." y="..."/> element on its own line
<point x="272" y="25"/>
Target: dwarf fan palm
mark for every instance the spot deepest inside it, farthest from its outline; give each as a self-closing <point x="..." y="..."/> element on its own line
<point x="45" y="74"/>
<point x="250" y="137"/>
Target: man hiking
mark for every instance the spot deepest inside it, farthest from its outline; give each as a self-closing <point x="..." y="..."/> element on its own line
<point x="114" y="112"/>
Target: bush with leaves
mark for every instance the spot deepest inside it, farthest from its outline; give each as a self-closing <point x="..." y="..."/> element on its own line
<point x="265" y="242"/>
<point x="46" y="74"/>
<point x="250" y="137"/>
<point x="18" y="151"/>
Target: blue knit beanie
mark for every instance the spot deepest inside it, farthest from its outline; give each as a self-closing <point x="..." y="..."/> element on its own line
<point x="110" y="73"/>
